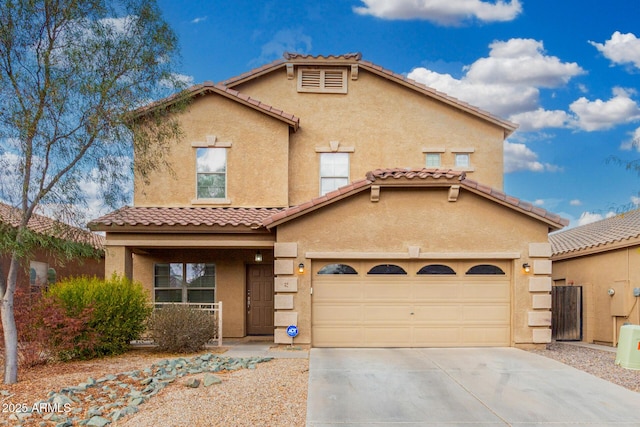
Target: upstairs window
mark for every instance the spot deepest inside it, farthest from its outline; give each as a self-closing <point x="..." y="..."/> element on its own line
<point x="433" y="160"/>
<point x="462" y="160"/>
<point x="322" y="81"/>
<point x="334" y="171"/>
<point x="211" y="168"/>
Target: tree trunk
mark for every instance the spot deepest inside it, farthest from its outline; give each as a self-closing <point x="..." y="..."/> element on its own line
<point x="9" y="325"/>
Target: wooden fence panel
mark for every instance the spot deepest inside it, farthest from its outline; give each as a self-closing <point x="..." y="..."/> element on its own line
<point x="566" y="308"/>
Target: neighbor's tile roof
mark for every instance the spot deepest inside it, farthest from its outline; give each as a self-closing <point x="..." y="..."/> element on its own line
<point x="356" y="58"/>
<point x="182" y="217"/>
<point x="210" y="87"/>
<point x="47" y="226"/>
<point x="617" y="229"/>
<point x="381" y="175"/>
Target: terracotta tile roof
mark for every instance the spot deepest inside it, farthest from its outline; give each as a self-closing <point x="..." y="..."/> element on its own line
<point x="623" y="228"/>
<point x="210" y="87"/>
<point x="182" y="217"/>
<point x="414" y="173"/>
<point x="49" y="227"/>
<point x="380" y="176"/>
<point x="356" y="58"/>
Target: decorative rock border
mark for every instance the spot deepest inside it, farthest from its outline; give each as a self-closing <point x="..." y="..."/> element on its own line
<point x="117" y="395"/>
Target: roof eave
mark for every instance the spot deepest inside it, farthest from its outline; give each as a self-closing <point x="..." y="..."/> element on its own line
<point x="227" y="92"/>
<point x="596" y="248"/>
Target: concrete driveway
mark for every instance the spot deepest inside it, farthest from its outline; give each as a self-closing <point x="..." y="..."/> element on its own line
<point x="459" y="387"/>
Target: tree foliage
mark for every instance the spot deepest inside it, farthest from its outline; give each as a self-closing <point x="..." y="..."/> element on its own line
<point x="71" y="71"/>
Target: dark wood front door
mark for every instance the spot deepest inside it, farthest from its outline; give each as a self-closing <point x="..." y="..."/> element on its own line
<point x="260" y="300"/>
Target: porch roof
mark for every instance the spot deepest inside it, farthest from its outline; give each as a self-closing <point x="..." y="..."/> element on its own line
<point x="151" y="217"/>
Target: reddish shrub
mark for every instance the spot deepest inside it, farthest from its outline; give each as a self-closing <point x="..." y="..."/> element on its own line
<point x="46" y="332"/>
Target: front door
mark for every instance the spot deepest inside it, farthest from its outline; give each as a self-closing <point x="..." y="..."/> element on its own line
<point x="260" y="299"/>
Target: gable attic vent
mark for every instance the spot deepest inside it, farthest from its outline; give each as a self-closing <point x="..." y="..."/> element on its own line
<point x="322" y="81"/>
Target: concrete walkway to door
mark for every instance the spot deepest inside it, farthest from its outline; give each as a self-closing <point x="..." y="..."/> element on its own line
<point x="459" y="387"/>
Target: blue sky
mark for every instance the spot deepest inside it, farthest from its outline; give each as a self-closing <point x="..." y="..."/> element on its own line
<point x="567" y="71"/>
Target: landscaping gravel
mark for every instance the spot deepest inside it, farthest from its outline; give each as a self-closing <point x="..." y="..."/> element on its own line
<point x="600" y="363"/>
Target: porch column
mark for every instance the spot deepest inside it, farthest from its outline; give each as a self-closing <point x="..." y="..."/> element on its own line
<point x="119" y="260"/>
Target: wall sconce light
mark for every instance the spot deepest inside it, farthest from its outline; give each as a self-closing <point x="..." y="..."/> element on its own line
<point x="526" y="267"/>
<point x="301" y="268"/>
<point x="258" y="257"/>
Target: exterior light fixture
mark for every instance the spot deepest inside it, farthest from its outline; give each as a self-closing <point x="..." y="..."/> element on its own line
<point x="526" y="267"/>
<point x="301" y="268"/>
<point x="258" y="257"/>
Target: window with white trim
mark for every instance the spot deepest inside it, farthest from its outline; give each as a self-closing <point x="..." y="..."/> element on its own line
<point x="185" y="282"/>
<point x="322" y="80"/>
<point x="334" y="171"/>
<point x="211" y="169"/>
<point x="462" y="160"/>
<point x="434" y="160"/>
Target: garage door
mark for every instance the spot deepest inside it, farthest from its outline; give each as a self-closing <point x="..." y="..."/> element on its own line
<point x="411" y="303"/>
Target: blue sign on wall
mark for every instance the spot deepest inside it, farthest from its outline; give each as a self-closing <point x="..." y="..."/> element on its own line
<point x="292" y="331"/>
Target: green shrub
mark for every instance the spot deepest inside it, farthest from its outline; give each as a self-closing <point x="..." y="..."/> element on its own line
<point x="120" y="310"/>
<point x="179" y="328"/>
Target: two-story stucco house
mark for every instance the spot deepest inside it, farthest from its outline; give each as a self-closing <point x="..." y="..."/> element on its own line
<point x="332" y="194"/>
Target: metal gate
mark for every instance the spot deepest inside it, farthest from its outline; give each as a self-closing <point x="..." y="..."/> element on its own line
<point x="566" y="308"/>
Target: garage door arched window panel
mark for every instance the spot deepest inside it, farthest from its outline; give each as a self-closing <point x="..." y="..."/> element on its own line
<point x="486" y="269"/>
<point x="337" y="269"/>
<point x="436" y="269"/>
<point x="387" y="269"/>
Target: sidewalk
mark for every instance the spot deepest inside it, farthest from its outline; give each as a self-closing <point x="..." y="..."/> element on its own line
<point x="262" y="347"/>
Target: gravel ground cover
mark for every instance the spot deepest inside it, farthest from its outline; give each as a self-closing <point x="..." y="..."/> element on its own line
<point x="600" y="363"/>
<point x="272" y="394"/>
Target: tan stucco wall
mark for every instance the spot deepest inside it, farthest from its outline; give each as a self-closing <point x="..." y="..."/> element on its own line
<point x="388" y="125"/>
<point x="257" y="174"/>
<point x="424" y="218"/>
<point x="597" y="273"/>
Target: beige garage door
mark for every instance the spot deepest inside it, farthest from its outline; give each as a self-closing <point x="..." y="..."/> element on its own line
<point x="411" y="303"/>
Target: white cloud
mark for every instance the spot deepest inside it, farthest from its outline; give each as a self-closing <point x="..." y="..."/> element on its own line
<point x="540" y="119"/>
<point x="599" y="114"/>
<point x="443" y="12"/>
<point x="575" y="202"/>
<point x="621" y="48"/>
<point x="199" y="19"/>
<point x="177" y="81"/>
<point x="538" y="202"/>
<point x="506" y="82"/>
<point x="589" y="217"/>
<point x="635" y="200"/>
<point x="522" y="62"/>
<point x="495" y="98"/>
<point x="519" y="157"/>
<point x="287" y="40"/>
<point x="633" y="143"/>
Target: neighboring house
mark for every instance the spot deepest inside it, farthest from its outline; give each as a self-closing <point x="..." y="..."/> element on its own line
<point x="599" y="265"/>
<point x="45" y="267"/>
<point x="338" y="196"/>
